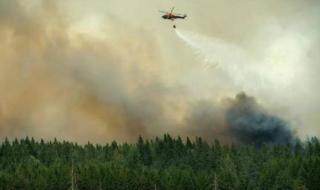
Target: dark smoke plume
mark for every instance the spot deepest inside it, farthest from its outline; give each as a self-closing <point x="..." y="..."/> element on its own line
<point x="250" y="124"/>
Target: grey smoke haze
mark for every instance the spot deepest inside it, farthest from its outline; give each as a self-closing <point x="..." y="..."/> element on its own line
<point x="207" y="119"/>
<point x="103" y="70"/>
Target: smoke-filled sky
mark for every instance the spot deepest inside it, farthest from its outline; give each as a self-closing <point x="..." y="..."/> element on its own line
<point x="114" y="69"/>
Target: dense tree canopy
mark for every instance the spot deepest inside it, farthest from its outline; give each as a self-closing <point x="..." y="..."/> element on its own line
<point x="161" y="163"/>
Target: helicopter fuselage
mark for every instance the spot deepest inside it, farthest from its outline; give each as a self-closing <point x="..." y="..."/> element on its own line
<point x="172" y="16"/>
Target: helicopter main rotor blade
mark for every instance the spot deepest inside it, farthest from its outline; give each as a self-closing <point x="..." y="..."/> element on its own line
<point x="172" y="9"/>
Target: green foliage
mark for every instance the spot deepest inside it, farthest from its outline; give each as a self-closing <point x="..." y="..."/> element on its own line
<point x="162" y="163"/>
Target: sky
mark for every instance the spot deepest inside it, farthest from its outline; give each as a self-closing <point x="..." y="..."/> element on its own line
<point x="102" y="70"/>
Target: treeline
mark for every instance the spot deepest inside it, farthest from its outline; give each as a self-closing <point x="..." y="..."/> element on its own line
<point x="161" y="163"/>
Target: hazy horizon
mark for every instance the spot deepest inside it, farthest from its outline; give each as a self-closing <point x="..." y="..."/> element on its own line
<point x="113" y="70"/>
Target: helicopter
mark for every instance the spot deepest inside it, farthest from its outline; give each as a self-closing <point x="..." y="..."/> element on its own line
<point x="172" y="16"/>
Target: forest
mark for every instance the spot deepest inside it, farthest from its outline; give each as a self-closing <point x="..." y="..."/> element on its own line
<point x="161" y="163"/>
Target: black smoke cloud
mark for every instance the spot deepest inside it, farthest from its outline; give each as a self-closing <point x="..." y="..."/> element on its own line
<point x="239" y="120"/>
<point x="250" y="124"/>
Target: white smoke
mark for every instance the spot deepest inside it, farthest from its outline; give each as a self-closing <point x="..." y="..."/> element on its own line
<point x="223" y="56"/>
<point x="210" y="49"/>
<point x="270" y="73"/>
<point x="248" y="72"/>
